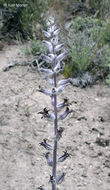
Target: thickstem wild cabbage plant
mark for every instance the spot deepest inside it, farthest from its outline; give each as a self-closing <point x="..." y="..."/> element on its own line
<point x="55" y="57"/>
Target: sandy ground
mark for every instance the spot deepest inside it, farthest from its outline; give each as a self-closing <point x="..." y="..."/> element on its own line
<point x="86" y="136"/>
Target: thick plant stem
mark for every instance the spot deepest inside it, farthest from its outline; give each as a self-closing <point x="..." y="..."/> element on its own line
<point x="55" y="139"/>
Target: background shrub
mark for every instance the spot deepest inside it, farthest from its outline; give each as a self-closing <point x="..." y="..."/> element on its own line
<point x="23" y="19"/>
<point x="33" y="47"/>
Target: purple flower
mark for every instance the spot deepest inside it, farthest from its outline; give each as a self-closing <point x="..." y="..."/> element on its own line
<point x="48" y="159"/>
<point x="63" y="157"/>
<point x="59" y="47"/>
<point x="49" y="45"/>
<point x="45" y="91"/>
<point x="47" y="59"/>
<point x="60" y="89"/>
<point x="54" y="40"/>
<point x="49" y="80"/>
<point x="63" y="104"/>
<point x="52" y="30"/>
<point x="61" y="56"/>
<point x="47" y="34"/>
<point x="45" y="114"/>
<point x="64" y="81"/>
<point x="59" y="133"/>
<point x="56" y="32"/>
<point x="46" y="71"/>
<point x="60" y="178"/>
<point x="65" y="113"/>
<point x="52" y="100"/>
<point x="46" y="145"/>
<point x="57" y="67"/>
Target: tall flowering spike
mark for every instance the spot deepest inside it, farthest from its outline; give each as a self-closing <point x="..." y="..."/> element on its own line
<point x="57" y="64"/>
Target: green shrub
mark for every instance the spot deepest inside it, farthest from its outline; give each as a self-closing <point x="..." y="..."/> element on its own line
<point x="105" y="35"/>
<point x="33" y="13"/>
<point x="81" y="54"/>
<point x="106" y="56"/>
<point x="108" y="80"/>
<point x="93" y="26"/>
<point x="68" y="70"/>
<point x="34" y="46"/>
<point x="102" y="5"/>
<point x="22" y="16"/>
<point x="87" y="35"/>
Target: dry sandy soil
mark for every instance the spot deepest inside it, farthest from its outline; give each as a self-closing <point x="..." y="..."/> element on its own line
<point x="86" y="135"/>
